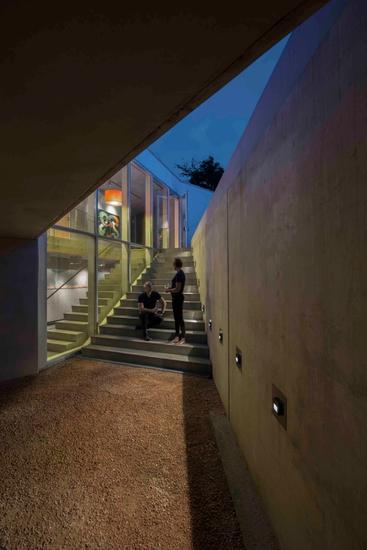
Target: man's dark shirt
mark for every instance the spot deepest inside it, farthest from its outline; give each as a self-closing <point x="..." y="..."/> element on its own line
<point x="180" y="277"/>
<point x="149" y="301"/>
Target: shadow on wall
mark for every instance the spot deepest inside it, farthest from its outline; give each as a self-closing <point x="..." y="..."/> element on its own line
<point x="213" y="519"/>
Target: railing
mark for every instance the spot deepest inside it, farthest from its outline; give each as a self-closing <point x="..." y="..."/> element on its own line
<point x="75" y="274"/>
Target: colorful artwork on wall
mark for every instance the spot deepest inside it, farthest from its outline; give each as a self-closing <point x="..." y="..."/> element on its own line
<point x="108" y="225"/>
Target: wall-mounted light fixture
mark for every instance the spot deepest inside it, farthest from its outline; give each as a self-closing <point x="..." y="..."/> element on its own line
<point x="203" y="308"/>
<point x="279" y="406"/>
<point x="220" y="336"/>
<point x="113" y="197"/>
<point x="238" y="358"/>
<point x="210" y="323"/>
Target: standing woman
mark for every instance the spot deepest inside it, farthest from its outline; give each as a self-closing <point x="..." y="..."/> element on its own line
<point x="176" y="291"/>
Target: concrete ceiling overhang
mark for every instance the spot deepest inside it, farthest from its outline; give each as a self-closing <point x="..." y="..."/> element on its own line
<point x="87" y="86"/>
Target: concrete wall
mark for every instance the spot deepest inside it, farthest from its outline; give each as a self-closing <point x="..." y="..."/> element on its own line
<point x="22" y="307"/>
<point x="197" y="197"/>
<point x="282" y="248"/>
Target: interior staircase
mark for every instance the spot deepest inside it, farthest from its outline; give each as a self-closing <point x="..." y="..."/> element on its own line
<point x="72" y="331"/>
<point x="120" y="341"/>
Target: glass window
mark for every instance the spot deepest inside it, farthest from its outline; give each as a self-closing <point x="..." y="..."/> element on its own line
<point x="82" y="216"/>
<point x="174" y="221"/>
<point x="160" y="216"/>
<point x="112" y="275"/>
<point x="138" y="261"/>
<point x="137" y="205"/>
<point x="110" y="200"/>
<point x="70" y="304"/>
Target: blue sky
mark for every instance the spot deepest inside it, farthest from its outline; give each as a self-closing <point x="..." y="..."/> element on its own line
<point x="215" y="127"/>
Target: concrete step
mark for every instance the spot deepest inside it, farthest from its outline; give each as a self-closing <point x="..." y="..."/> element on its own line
<point x="102" y="287"/>
<point x="165" y="281"/>
<point x="101" y="301"/>
<point x="59" y="345"/>
<point x="82" y="309"/>
<point x="78" y="326"/>
<point x="197" y="350"/>
<point x="188" y="270"/>
<point x="68" y="335"/>
<point x="161" y="288"/>
<point x="188" y="314"/>
<point x="190" y="305"/>
<point x="168" y="264"/>
<point x="165" y="274"/>
<point x="133" y="320"/>
<point x="197" y="365"/>
<point x="76" y="316"/>
<point x="189" y="296"/>
<point x="193" y="337"/>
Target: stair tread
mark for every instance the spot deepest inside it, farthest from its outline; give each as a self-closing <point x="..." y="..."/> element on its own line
<point x="130" y="327"/>
<point x="167" y="300"/>
<point x="67" y="322"/>
<point x="155" y="354"/>
<point x="66" y="332"/>
<point x="60" y="342"/>
<point x="162" y="292"/>
<point x="158" y="342"/>
<point x="137" y="317"/>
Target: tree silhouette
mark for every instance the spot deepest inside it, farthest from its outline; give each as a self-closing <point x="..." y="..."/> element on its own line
<point x="205" y="173"/>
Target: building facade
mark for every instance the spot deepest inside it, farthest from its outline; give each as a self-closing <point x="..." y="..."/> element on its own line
<point x="97" y="250"/>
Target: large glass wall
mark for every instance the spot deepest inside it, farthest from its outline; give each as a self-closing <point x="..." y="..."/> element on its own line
<point x="137" y="205"/>
<point x="99" y="249"/>
<point x="174" y="221"/>
<point x="160" y="216"/>
<point x="70" y="304"/>
<point x="112" y="275"/>
<point x="82" y="217"/>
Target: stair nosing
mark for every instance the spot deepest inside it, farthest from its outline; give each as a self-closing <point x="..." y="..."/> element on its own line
<point x="130" y="327"/>
<point x="158" y="342"/>
<point x="157" y="355"/>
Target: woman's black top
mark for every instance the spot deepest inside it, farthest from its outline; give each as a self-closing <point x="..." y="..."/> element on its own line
<point x="180" y="277"/>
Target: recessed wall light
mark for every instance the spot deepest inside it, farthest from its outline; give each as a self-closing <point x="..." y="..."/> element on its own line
<point x="238" y="358"/>
<point x="210" y="323"/>
<point x="220" y="336"/>
<point x="279" y="406"/>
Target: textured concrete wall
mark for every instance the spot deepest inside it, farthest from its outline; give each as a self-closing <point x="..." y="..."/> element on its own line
<point x="296" y="199"/>
<point x="211" y="258"/>
<point x="22" y="307"/>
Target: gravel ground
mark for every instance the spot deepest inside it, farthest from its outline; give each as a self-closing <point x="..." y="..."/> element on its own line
<point x="99" y="456"/>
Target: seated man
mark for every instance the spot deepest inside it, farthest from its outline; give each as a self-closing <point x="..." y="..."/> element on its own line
<point x="151" y="309"/>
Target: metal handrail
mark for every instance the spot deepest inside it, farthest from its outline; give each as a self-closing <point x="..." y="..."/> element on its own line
<point x="75" y="274"/>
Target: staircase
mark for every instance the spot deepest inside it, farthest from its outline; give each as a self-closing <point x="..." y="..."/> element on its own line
<point x="72" y="331"/>
<point x="120" y="341"/>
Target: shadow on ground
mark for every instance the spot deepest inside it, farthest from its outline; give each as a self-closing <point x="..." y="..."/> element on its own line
<point x="101" y="456"/>
<point x="213" y="520"/>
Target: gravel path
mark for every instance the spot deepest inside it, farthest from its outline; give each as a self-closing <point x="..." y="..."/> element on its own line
<point x="98" y="456"/>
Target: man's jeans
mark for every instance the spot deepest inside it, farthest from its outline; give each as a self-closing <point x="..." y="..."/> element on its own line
<point x="149" y="320"/>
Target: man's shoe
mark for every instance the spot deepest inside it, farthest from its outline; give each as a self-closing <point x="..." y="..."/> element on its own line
<point x="147" y="338"/>
<point x="182" y="341"/>
<point x="175" y="340"/>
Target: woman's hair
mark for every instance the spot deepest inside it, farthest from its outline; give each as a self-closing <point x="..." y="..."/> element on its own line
<point x="178" y="262"/>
